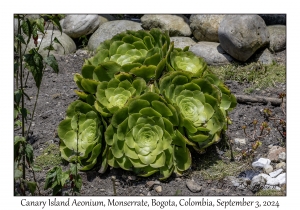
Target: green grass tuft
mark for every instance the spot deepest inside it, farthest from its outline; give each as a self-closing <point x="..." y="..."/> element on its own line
<point x="50" y="157"/>
<point x="255" y="74"/>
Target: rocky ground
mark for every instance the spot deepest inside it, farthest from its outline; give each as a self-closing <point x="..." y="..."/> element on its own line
<point x="211" y="173"/>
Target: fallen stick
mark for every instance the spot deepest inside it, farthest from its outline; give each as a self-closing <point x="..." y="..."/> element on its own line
<point x="258" y="99"/>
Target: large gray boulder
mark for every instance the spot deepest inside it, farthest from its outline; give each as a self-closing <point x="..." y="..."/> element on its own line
<point x="109" y="29"/>
<point x="76" y="26"/>
<point x="212" y="53"/>
<point x="177" y="25"/>
<point x="64" y="39"/>
<point x="277" y="37"/>
<point x="205" y="27"/>
<point x="241" y="35"/>
<point x="182" y="42"/>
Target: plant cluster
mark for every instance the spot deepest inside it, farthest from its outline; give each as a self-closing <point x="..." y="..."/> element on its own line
<point x="142" y="106"/>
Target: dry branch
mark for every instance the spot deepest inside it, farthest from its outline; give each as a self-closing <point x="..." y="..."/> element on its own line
<point x="258" y="99"/>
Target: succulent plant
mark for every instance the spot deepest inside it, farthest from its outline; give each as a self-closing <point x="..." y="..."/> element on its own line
<point x="135" y="118"/>
<point x="81" y="135"/>
<point x="113" y="95"/>
<point x="183" y="60"/>
<point x="197" y="102"/>
<point x="137" y="52"/>
<point x="140" y="138"/>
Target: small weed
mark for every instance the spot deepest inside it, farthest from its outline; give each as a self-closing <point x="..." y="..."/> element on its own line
<point x="50" y="157"/>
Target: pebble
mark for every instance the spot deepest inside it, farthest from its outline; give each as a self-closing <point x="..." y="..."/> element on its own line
<point x="281" y="165"/>
<point x="102" y="190"/>
<point x="149" y="194"/>
<point x="274" y="152"/>
<point x="193" y="186"/>
<point x="239" y="141"/>
<point x="281" y="178"/>
<point x="132" y="178"/>
<point x="268" y="169"/>
<point x="275" y="173"/>
<point x="150" y="184"/>
<point x="282" y="156"/>
<point x="158" y="189"/>
<point x="261" y="163"/>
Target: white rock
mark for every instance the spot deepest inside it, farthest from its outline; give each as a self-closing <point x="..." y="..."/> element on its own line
<point x="275" y="173"/>
<point x="281" y="178"/>
<point x="239" y="141"/>
<point x="273" y="181"/>
<point x="282" y="156"/>
<point x="261" y="162"/>
<point x="268" y="169"/>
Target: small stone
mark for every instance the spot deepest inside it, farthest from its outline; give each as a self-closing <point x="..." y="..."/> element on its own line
<point x="239" y="141"/>
<point x="281" y="165"/>
<point x="149" y="194"/>
<point x="268" y="169"/>
<point x="281" y="178"/>
<point x="275" y="173"/>
<point x="193" y="186"/>
<point x="273" y="181"/>
<point x="282" y="156"/>
<point x="178" y="179"/>
<point x="158" y="189"/>
<point x="102" y="190"/>
<point x="132" y="178"/>
<point x="261" y="162"/>
<point x="150" y="184"/>
<point x="274" y="152"/>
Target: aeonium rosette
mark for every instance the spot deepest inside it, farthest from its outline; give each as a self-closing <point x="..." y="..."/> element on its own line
<point x="113" y="95"/>
<point x="186" y="61"/>
<point x="140" y="53"/>
<point x="197" y="102"/>
<point x="141" y="138"/>
<point x="81" y="135"/>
